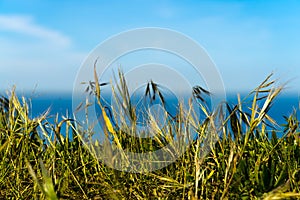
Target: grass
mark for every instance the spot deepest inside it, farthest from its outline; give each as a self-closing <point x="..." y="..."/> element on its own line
<point x="248" y="161"/>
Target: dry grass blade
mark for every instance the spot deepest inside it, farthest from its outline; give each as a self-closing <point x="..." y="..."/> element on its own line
<point x="97" y="86"/>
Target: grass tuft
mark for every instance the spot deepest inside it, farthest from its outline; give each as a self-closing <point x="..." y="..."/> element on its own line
<point x="43" y="160"/>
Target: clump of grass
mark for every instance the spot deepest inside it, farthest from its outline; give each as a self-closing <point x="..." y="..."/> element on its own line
<point x="248" y="161"/>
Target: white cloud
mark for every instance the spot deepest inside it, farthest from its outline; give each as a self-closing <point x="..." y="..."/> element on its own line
<point x="28" y="64"/>
<point x="31" y="54"/>
<point x="26" y="25"/>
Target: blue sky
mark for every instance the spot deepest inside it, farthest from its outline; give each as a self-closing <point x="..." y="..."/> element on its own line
<point x="43" y="43"/>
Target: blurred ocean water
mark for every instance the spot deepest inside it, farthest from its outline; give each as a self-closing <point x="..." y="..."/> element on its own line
<point x="61" y="104"/>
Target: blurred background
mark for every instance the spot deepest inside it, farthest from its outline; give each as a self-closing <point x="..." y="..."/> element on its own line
<point x="43" y="43"/>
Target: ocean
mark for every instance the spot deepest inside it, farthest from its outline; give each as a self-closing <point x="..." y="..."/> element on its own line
<point x="61" y="104"/>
